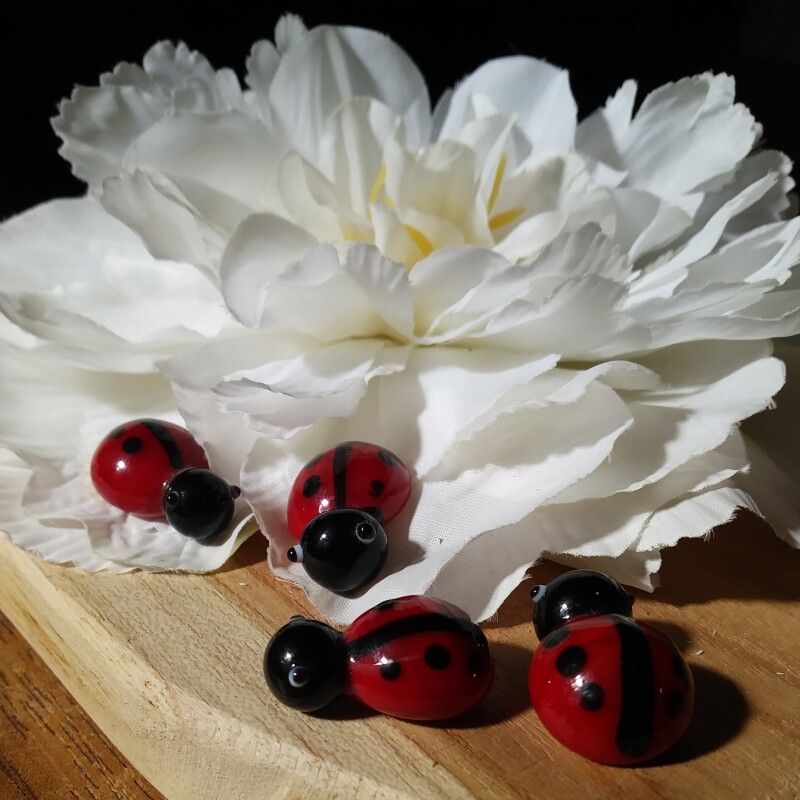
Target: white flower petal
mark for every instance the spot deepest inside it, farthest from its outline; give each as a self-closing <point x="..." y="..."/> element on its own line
<point x="766" y="253"/>
<point x="261" y="65"/>
<point x="289" y="30"/>
<point x="156" y="546"/>
<point x="258" y="251"/>
<point x="85" y="285"/>
<point x="499" y="559"/>
<point x="232" y="153"/>
<point x="683" y="135"/>
<point x="773" y="488"/>
<point x="441" y="391"/>
<point x="533" y="91"/>
<point x="331" y="65"/>
<point x="406" y="235"/>
<point x="44" y="403"/>
<point x="60" y="541"/>
<point x="693" y="516"/>
<point x="313" y="201"/>
<point x="352" y="149"/>
<point x="580" y="319"/>
<point x="329" y="296"/>
<point x="441" y="181"/>
<point x="161" y="214"/>
<point x="772" y="207"/>
<point x="446" y="279"/>
<point x="99" y="124"/>
<point x="773" y="446"/>
<point x="645" y="222"/>
<point x="282" y="396"/>
<point x="192" y="374"/>
<point x="531" y="236"/>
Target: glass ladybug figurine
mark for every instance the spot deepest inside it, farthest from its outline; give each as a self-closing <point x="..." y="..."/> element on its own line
<point x="415" y="658"/>
<point x="609" y="688"/>
<point x="338" y="506"/>
<point x="156" y="470"/>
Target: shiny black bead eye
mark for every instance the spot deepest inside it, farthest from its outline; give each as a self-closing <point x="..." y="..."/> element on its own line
<point x="295" y="553"/>
<point x="537" y="593"/>
<point x="365" y="532"/>
<point x="198" y="503"/>
<point x="298" y="677"/>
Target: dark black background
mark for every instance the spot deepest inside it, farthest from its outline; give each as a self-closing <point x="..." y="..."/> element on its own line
<point x="47" y="48"/>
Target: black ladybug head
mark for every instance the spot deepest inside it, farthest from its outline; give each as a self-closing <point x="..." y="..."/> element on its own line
<point x="342" y="549"/>
<point x="198" y="503"/>
<point x="574" y="594"/>
<point x="305" y="664"/>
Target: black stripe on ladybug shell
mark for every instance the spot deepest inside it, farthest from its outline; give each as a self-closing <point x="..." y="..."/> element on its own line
<point x="637" y="708"/>
<point x="164" y="438"/>
<point x="341" y="454"/>
<point x="408" y="626"/>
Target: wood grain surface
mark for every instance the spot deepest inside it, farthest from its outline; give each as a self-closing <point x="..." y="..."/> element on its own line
<point x="169" y="668"/>
<point x="49" y="747"/>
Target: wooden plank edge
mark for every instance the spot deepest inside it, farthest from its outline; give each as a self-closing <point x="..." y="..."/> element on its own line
<point x="180" y="754"/>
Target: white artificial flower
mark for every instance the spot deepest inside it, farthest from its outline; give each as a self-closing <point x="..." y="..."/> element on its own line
<point x="559" y="327"/>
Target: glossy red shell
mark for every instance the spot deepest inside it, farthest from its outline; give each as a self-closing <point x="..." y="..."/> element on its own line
<point x="418" y="658"/>
<point x="611" y="689"/>
<point x="354" y="475"/>
<point x="132" y="465"/>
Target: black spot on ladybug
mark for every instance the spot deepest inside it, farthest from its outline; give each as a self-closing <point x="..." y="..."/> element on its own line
<point x="385" y="605"/>
<point x="133" y="444"/>
<point x="679" y="668"/>
<point x="311" y="486"/>
<point x="387" y="458"/>
<point x="571" y="661"/>
<point x="376" y="488"/>
<point x="674" y="703"/>
<point x="437" y="656"/>
<point x="592" y="697"/>
<point x="476" y="664"/>
<point x="390" y="671"/>
<point x="555" y="638"/>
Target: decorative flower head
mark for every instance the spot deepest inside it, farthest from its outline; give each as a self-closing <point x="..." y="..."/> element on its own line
<point x="560" y="327"/>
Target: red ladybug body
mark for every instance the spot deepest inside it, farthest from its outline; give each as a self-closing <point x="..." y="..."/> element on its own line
<point x="414" y="658"/>
<point x="611" y="689"/>
<point x="353" y="475"/>
<point x="133" y="464"/>
<point x="418" y="658"/>
<point x="156" y="470"/>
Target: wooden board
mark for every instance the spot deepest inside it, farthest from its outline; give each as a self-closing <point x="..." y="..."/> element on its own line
<point x="169" y="667"/>
<point x="50" y="749"/>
